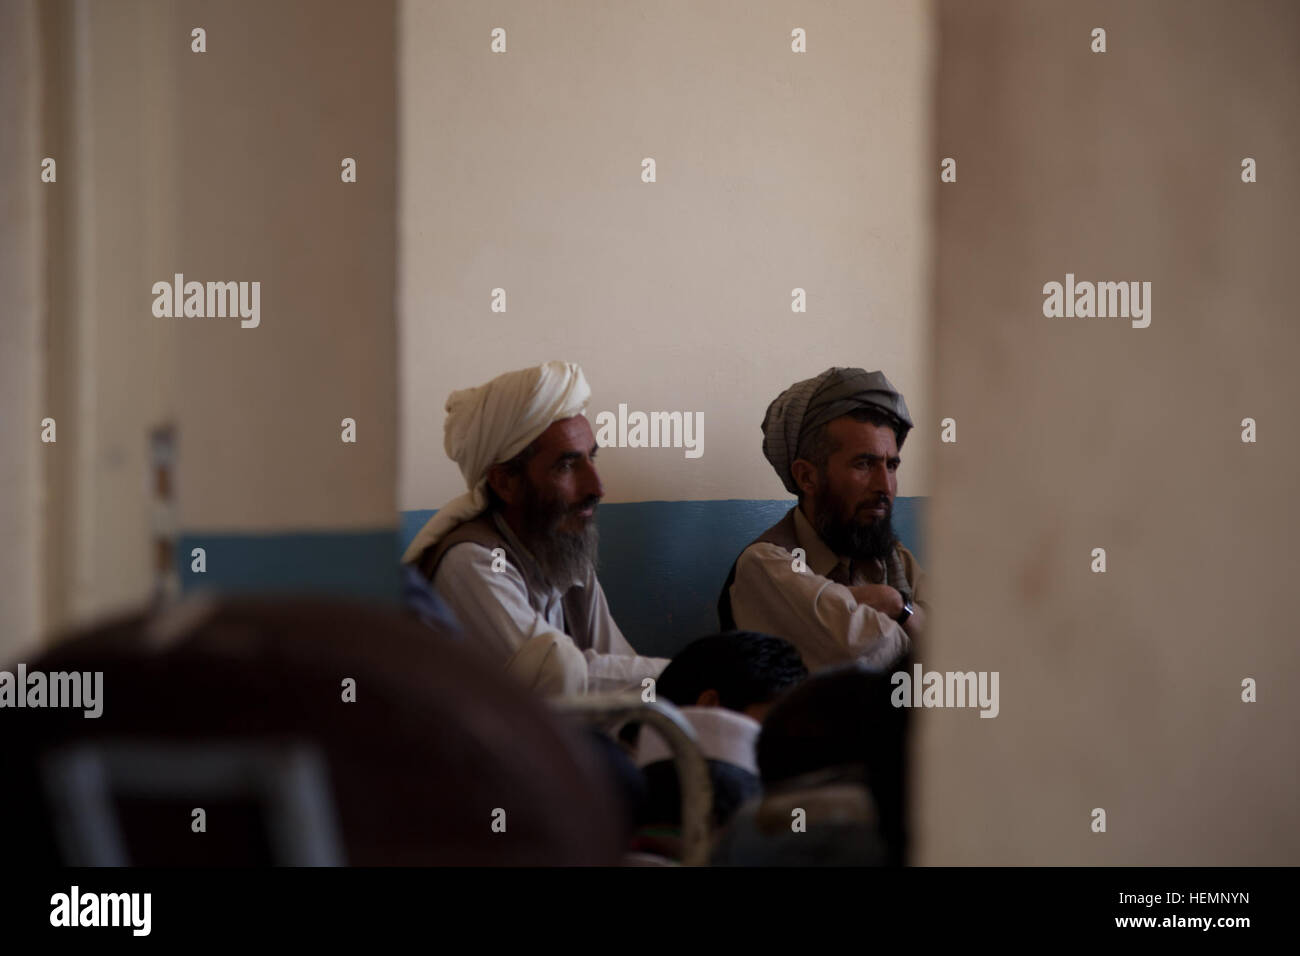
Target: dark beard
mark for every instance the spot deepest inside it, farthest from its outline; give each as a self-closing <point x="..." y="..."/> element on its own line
<point x="562" y="556"/>
<point x="849" y="537"/>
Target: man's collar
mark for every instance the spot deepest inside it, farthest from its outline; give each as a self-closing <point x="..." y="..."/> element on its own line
<point x="821" y="559"/>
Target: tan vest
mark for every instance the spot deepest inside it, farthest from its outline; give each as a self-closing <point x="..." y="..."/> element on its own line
<point x="483" y="531"/>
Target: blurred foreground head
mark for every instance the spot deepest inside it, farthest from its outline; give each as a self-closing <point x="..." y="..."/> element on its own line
<point x="832" y="752"/>
<point x="238" y="708"/>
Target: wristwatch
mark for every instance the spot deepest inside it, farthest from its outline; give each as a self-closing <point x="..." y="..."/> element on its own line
<point x="906" y="612"/>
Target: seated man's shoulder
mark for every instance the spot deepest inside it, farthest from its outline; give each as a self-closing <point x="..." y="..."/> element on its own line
<point x="760" y="550"/>
<point x="762" y="558"/>
<point x="468" y="560"/>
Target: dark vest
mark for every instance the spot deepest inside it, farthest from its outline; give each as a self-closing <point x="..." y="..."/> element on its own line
<point x="783" y="535"/>
<point x="483" y="531"/>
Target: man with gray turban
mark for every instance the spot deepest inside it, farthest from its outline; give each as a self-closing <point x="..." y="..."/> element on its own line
<point x="515" y="555"/>
<point x="831" y="577"/>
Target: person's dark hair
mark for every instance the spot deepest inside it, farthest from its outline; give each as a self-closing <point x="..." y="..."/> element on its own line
<point x="732" y="786"/>
<point x="515" y="466"/>
<point x="842" y="721"/>
<point x="744" y="667"/>
<point x="817" y="446"/>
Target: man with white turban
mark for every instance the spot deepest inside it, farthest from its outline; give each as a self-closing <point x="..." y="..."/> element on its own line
<point x="831" y="577"/>
<point x="515" y="555"/>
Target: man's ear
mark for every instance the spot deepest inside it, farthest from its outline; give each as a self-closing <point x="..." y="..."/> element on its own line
<point x="502" y="482"/>
<point x="710" y="698"/>
<point x="805" y="475"/>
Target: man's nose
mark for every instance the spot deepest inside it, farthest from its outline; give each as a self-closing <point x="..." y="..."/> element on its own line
<point x="879" y="481"/>
<point x="591" y="484"/>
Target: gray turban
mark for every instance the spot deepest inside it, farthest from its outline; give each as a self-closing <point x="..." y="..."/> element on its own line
<point x="813" y="402"/>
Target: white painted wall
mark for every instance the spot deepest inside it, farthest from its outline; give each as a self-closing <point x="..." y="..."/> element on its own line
<point x="775" y="170"/>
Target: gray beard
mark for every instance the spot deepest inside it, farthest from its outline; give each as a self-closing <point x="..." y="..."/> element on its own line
<point x="562" y="557"/>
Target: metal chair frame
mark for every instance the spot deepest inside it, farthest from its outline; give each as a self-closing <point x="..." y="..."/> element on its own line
<point x="289" y="780"/>
<point x="692" y="770"/>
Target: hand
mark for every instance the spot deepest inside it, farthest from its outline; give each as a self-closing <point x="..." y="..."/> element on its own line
<point x="882" y="597"/>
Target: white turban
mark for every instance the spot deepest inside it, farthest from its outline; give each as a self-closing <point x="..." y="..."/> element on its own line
<point x="491" y="424"/>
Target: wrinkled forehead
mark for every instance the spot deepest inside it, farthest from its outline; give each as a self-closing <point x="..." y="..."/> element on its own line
<point x="854" y="438"/>
<point x="566" y="435"/>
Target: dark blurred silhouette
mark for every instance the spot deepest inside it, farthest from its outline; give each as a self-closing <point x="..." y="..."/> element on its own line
<point x="833" y="748"/>
<point x="236" y="706"/>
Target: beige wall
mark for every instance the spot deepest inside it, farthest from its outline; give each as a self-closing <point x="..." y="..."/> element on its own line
<point x="116" y="379"/>
<point x="285" y="92"/>
<point x="98" y="369"/>
<point x="1122" y="690"/>
<point x="775" y="170"/>
<point x="22" y="232"/>
<point x="221" y="165"/>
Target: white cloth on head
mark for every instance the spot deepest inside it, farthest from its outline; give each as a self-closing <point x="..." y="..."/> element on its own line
<point x="494" y="422"/>
<point x="726" y="735"/>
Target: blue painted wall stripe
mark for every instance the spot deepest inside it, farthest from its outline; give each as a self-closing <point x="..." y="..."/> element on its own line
<point x="662" y="563"/>
<point x="354" y="564"/>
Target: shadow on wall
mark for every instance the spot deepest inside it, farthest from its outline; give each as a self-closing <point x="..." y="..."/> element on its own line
<point x="662" y="563"/>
